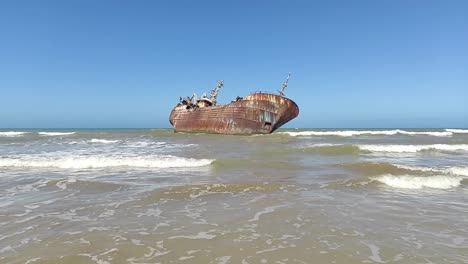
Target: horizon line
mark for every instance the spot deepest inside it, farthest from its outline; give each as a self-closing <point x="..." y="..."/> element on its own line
<point x="70" y="128"/>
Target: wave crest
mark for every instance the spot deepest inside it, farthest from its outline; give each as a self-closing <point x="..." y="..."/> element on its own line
<point x="11" y="133"/>
<point x="376" y="168"/>
<point x="55" y="133"/>
<point x="351" y="133"/>
<point x="461" y="131"/>
<point x="462" y="171"/>
<point x="103" y="161"/>
<point x="350" y="149"/>
<point x="413" y="148"/>
<point x="418" y="182"/>
<point x="103" y="141"/>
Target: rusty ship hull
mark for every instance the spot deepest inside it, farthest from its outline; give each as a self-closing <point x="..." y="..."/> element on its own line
<point x="257" y="113"/>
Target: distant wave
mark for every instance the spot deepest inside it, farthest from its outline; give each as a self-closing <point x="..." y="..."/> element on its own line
<point x="413" y="148"/>
<point x="419" y="182"/>
<point x="149" y="144"/>
<point x="461" y="131"/>
<point x="374" y="168"/>
<point x="144" y="144"/>
<point x="103" y="141"/>
<point x="102" y="161"/>
<point x="348" y="149"/>
<point x="351" y="133"/>
<point x="12" y="134"/>
<point x="56" y="133"/>
<point x="402" y="177"/>
<point x="461" y="171"/>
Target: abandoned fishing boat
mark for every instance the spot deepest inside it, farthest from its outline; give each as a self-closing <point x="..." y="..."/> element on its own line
<point x="256" y="113"/>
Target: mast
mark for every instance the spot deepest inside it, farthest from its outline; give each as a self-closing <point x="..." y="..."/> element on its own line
<point x="285" y="84"/>
<point x="215" y="91"/>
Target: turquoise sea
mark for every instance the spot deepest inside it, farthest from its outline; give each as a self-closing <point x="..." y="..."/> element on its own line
<point x="294" y="196"/>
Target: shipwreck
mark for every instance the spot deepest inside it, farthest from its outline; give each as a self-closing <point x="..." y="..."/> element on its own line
<point x="256" y="113"/>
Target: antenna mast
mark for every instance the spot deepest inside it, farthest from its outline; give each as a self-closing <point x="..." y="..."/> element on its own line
<point x="215" y="91"/>
<point x="285" y="84"/>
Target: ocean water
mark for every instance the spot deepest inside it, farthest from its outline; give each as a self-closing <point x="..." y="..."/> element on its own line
<point x="295" y="196"/>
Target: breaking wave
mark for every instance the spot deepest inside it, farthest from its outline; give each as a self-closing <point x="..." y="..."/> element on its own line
<point x="376" y="168"/>
<point x="458" y="170"/>
<point x="12" y="134"/>
<point x="350" y="149"/>
<point x="103" y="141"/>
<point x="461" y="131"/>
<point x="461" y="171"/>
<point x="419" y="182"/>
<point x="56" y="133"/>
<point x="102" y="161"/>
<point x="351" y="133"/>
<point x="403" y="176"/>
<point x="413" y="148"/>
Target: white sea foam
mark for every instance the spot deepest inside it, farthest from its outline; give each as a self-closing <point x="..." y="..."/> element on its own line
<point x="102" y="161"/>
<point x="416" y="168"/>
<point x="461" y="171"/>
<point x="351" y="133"/>
<point x="320" y="145"/>
<point x="428" y="133"/>
<point x="418" y="182"/>
<point x="413" y="148"/>
<point x="107" y="213"/>
<point x="223" y="259"/>
<point x="103" y="141"/>
<point x="265" y="211"/>
<point x="461" y="131"/>
<point x="63" y="184"/>
<point x="11" y="133"/>
<point x="126" y="143"/>
<point x="55" y="133"/>
<point x="144" y="144"/>
<point x="200" y="235"/>
<point x="32" y="260"/>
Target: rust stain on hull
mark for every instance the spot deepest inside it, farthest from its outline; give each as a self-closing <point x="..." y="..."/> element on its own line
<point x="257" y="113"/>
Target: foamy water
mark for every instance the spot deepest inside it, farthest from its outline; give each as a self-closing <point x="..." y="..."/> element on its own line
<point x="458" y="170"/>
<point x="414" y="148"/>
<point x="351" y="133"/>
<point x="296" y="196"/>
<point x="102" y="161"/>
<point x="56" y="133"/>
<point x="103" y="141"/>
<point x="457" y="130"/>
<point x="11" y="133"/>
<point x="417" y="182"/>
<point x="461" y="171"/>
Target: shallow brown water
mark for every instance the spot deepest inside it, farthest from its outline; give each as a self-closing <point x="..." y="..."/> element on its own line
<point x="152" y="196"/>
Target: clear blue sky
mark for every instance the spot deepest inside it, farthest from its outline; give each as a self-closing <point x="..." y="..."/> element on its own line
<point x="125" y="63"/>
